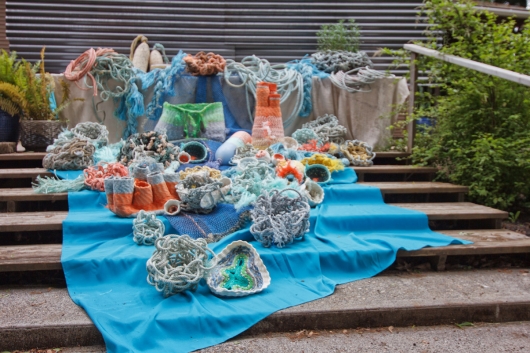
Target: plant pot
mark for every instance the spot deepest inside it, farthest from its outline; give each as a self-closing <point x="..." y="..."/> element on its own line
<point x="8" y="127"/>
<point x="39" y="134"/>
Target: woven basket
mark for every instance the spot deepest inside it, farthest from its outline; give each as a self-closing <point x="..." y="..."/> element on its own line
<point x="39" y="134"/>
<point x="8" y="127"/>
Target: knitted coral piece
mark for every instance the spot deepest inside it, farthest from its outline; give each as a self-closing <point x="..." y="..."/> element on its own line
<point x="268" y="123"/>
<point x="205" y="64"/>
<point x="127" y="196"/>
<point x="96" y="175"/>
<point x="333" y="164"/>
<point x="291" y="169"/>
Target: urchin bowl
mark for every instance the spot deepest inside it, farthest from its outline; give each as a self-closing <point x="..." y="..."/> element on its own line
<point x="239" y="271"/>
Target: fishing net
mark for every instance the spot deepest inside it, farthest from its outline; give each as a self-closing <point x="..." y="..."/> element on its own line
<point x="223" y="220"/>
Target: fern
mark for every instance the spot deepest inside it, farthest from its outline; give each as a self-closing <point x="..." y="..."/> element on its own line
<point x="9" y="107"/>
<point x="32" y="94"/>
<point x="13" y="100"/>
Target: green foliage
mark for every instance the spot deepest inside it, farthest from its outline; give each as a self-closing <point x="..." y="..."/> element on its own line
<point x="12" y="99"/>
<point x="25" y="88"/>
<point x="339" y="36"/>
<point x="514" y="216"/>
<point x="482" y="133"/>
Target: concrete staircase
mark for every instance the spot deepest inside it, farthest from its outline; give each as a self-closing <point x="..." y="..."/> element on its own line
<point x="36" y="314"/>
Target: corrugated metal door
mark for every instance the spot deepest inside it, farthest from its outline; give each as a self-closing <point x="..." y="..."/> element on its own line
<point x="275" y="30"/>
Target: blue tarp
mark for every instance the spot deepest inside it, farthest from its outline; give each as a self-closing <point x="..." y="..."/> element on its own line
<point x="353" y="235"/>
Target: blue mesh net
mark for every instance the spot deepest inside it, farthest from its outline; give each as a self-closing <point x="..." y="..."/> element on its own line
<point x="209" y="90"/>
<point x="223" y="220"/>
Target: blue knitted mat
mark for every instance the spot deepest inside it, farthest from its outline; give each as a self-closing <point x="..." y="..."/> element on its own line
<point x="353" y="235"/>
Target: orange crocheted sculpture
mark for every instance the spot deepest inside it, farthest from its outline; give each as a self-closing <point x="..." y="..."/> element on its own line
<point x="268" y="123"/>
<point x="205" y="64"/>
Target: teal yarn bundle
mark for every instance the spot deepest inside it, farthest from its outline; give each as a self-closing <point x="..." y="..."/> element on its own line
<point x="47" y="185"/>
<point x="163" y="81"/>
<point x="307" y="69"/>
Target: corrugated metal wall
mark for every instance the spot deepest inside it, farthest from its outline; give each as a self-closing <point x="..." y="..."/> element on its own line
<point x="275" y="30"/>
<point x="4" y="43"/>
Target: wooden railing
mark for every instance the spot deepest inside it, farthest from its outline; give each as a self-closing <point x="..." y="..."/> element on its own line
<point x="416" y="50"/>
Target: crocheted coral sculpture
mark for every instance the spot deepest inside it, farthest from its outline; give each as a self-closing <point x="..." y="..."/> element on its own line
<point x="205" y="64"/>
<point x="268" y="123"/>
<point x="184" y="121"/>
<point x="358" y="153"/>
<point x="280" y="219"/>
<point x="148" y="143"/>
<point x="127" y="196"/>
<point x="333" y="164"/>
<point x="75" y="154"/>
<point x="196" y="150"/>
<point x="147" y="228"/>
<point x="313" y="192"/>
<point x="318" y="173"/>
<point x="327" y="128"/>
<point x="178" y="263"/>
<point x="95" y="176"/>
<point x="239" y="271"/>
<point x="291" y="170"/>
<point x="200" y="193"/>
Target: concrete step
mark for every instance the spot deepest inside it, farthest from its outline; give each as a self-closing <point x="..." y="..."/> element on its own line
<point x="478" y="338"/>
<point x="47" y="317"/>
<point x="485" y="241"/>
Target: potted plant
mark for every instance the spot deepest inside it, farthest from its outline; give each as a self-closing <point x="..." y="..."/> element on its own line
<point x="12" y="99"/>
<point x="28" y="90"/>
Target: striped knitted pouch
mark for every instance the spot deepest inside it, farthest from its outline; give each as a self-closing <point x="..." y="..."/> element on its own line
<point x="184" y="121"/>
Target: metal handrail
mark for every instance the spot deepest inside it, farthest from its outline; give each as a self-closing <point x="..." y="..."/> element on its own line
<point x="470" y="64"/>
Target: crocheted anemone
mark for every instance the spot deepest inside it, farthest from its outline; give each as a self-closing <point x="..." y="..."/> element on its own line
<point x="280" y="219"/>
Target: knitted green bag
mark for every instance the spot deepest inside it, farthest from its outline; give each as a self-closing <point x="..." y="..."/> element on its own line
<point x="185" y="121"/>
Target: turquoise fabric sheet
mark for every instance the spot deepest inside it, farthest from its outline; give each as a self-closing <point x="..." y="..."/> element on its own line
<point x="353" y="235"/>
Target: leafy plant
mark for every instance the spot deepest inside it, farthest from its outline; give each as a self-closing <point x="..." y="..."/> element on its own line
<point x="339" y="36"/>
<point x="513" y="217"/>
<point x="482" y="133"/>
<point x="25" y="88"/>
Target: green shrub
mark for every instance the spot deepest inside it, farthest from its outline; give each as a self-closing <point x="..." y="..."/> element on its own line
<point x="482" y="133"/>
<point x="339" y="36"/>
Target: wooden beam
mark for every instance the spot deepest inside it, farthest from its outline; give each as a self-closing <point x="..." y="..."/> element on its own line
<point x="454" y="210"/>
<point x="411" y="127"/>
<point x="470" y="64"/>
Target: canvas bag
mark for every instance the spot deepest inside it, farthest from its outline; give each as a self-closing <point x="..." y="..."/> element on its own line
<point x="199" y="120"/>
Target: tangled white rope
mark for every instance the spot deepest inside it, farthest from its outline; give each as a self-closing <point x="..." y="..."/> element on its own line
<point x="178" y="263"/>
<point x="253" y="70"/>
